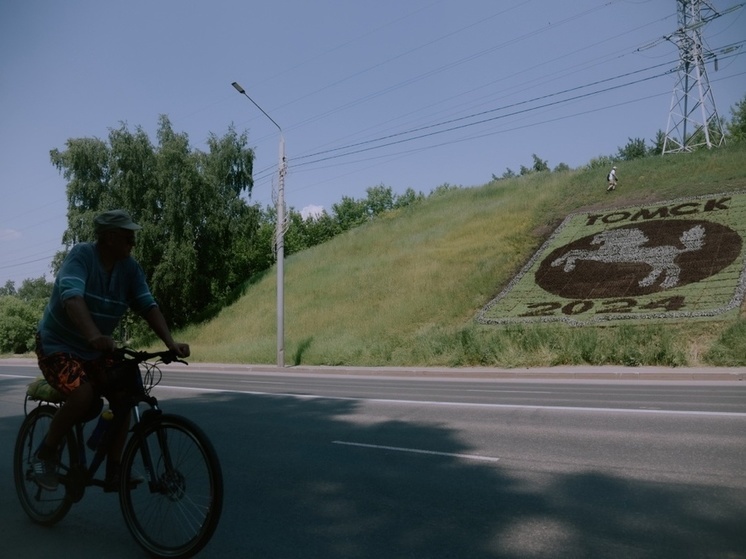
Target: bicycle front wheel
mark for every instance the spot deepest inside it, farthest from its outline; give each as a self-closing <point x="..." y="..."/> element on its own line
<point x="43" y="506"/>
<point x="173" y="513"/>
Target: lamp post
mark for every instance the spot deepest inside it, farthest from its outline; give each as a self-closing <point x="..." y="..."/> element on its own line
<point x="279" y="235"/>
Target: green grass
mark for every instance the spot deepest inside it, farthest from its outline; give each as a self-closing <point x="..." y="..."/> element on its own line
<point x="405" y="288"/>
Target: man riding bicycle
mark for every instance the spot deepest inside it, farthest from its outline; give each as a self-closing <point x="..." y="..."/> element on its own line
<point x="93" y="289"/>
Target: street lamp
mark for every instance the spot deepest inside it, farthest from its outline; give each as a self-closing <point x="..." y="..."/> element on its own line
<point x="279" y="235"/>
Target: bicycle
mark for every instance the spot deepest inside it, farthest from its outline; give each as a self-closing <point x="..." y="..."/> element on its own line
<point x="171" y="483"/>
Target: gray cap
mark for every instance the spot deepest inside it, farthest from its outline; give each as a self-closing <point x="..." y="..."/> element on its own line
<point x="114" y="219"/>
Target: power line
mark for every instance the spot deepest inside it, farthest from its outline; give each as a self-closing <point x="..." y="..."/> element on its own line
<point x="515" y="40"/>
<point x="407" y="153"/>
<point x="448" y="66"/>
<point x="482" y="113"/>
<point x="6" y="266"/>
<point x="731" y="48"/>
<point x="267" y="172"/>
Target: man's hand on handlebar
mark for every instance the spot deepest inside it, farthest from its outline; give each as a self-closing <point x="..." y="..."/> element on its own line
<point x="102" y="343"/>
<point x="181" y="350"/>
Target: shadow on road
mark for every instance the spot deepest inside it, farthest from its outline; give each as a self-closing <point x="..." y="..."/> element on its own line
<point x="292" y="493"/>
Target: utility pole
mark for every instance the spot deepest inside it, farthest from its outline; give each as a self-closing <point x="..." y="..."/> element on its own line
<point x="693" y="120"/>
<point x="280" y="230"/>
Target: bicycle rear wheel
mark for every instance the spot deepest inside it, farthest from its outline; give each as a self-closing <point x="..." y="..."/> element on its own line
<point x="43" y="506"/>
<point x="175" y="513"/>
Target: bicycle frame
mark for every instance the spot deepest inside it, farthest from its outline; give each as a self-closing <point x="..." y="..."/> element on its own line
<point x="176" y="513"/>
<point x="99" y="455"/>
<point x="136" y="395"/>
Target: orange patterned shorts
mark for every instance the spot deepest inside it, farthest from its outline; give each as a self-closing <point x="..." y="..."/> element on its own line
<point x="66" y="372"/>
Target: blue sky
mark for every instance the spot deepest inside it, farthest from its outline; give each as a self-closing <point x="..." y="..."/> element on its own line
<point x="404" y="93"/>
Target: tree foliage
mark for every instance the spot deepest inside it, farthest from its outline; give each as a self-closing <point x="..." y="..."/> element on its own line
<point x="600" y="162"/>
<point x="737" y="125"/>
<point x="20" y="312"/>
<point x="18" y="322"/>
<point x="540" y="165"/>
<point x="35" y="290"/>
<point x="8" y="289"/>
<point x="196" y="222"/>
<point x="634" y="149"/>
<point x="409" y="198"/>
<point x="201" y="238"/>
<point x="658" y="141"/>
<point x="350" y="212"/>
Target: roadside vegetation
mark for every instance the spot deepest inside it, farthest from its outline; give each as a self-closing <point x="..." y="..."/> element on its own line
<point x="404" y="289"/>
<point x="385" y="280"/>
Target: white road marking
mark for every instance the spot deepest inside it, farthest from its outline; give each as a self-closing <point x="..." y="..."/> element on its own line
<point x="464" y="404"/>
<point x="457" y="404"/>
<point x="420" y="451"/>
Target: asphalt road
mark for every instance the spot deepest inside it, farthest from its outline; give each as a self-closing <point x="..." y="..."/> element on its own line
<point x="345" y="466"/>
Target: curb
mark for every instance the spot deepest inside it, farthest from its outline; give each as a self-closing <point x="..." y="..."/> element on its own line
<point x="563" y="372"/>
<point x="557" y="373"/>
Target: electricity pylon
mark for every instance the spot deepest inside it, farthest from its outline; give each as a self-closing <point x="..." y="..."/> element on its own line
<point x="693" y="120"/>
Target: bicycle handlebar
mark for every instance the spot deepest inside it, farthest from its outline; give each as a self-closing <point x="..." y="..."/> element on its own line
<point x="167" y="356"/>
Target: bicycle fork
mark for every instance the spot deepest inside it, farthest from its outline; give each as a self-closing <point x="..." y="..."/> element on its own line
<point x="164" y="482"/>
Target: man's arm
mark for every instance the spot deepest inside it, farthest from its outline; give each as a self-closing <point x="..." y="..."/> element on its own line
<point x="78" y="312"/>
<point x="157" y="322"/>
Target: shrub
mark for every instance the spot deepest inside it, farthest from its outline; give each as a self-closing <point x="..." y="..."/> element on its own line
<point x="18" y="323"/>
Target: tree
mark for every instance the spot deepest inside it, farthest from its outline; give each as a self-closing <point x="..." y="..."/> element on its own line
<point x="561" y="168"/>
<point x="508" y="174"/>
<point x="601" y="161"/>
<point x="18" y="322"/>
<point x="85" y="165"/>
<point x="296" y="237"/>
<point x="260" y="247"/>
<point x="349" y="213"/>
<point x="409" y="198"/>
<point x="8" y="289"/>
<point x="657" y="147"/>
<point x="38" y="290"/>
<point x="737" y="126"/>
<point x="320" y="228"/>
<point x="634" y="149"/>
<point x="195" y="223"/>
<point x="302" y="233"/>
<point x="20" y="312"/>
<point x="539" y="164"/>
<point x="379" y="199"/>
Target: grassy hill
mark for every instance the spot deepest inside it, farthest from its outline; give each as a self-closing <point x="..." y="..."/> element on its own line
<point x="405" y="288"/>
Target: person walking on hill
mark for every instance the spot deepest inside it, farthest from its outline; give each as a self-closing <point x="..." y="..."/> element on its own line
<point x="94" y="287"/>
<point x="611" y="179"/>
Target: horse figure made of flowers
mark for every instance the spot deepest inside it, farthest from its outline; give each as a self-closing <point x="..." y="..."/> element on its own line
<point x="625" y="246"/>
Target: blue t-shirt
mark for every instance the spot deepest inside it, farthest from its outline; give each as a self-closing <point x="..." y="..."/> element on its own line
<point x="108" y="295"/>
